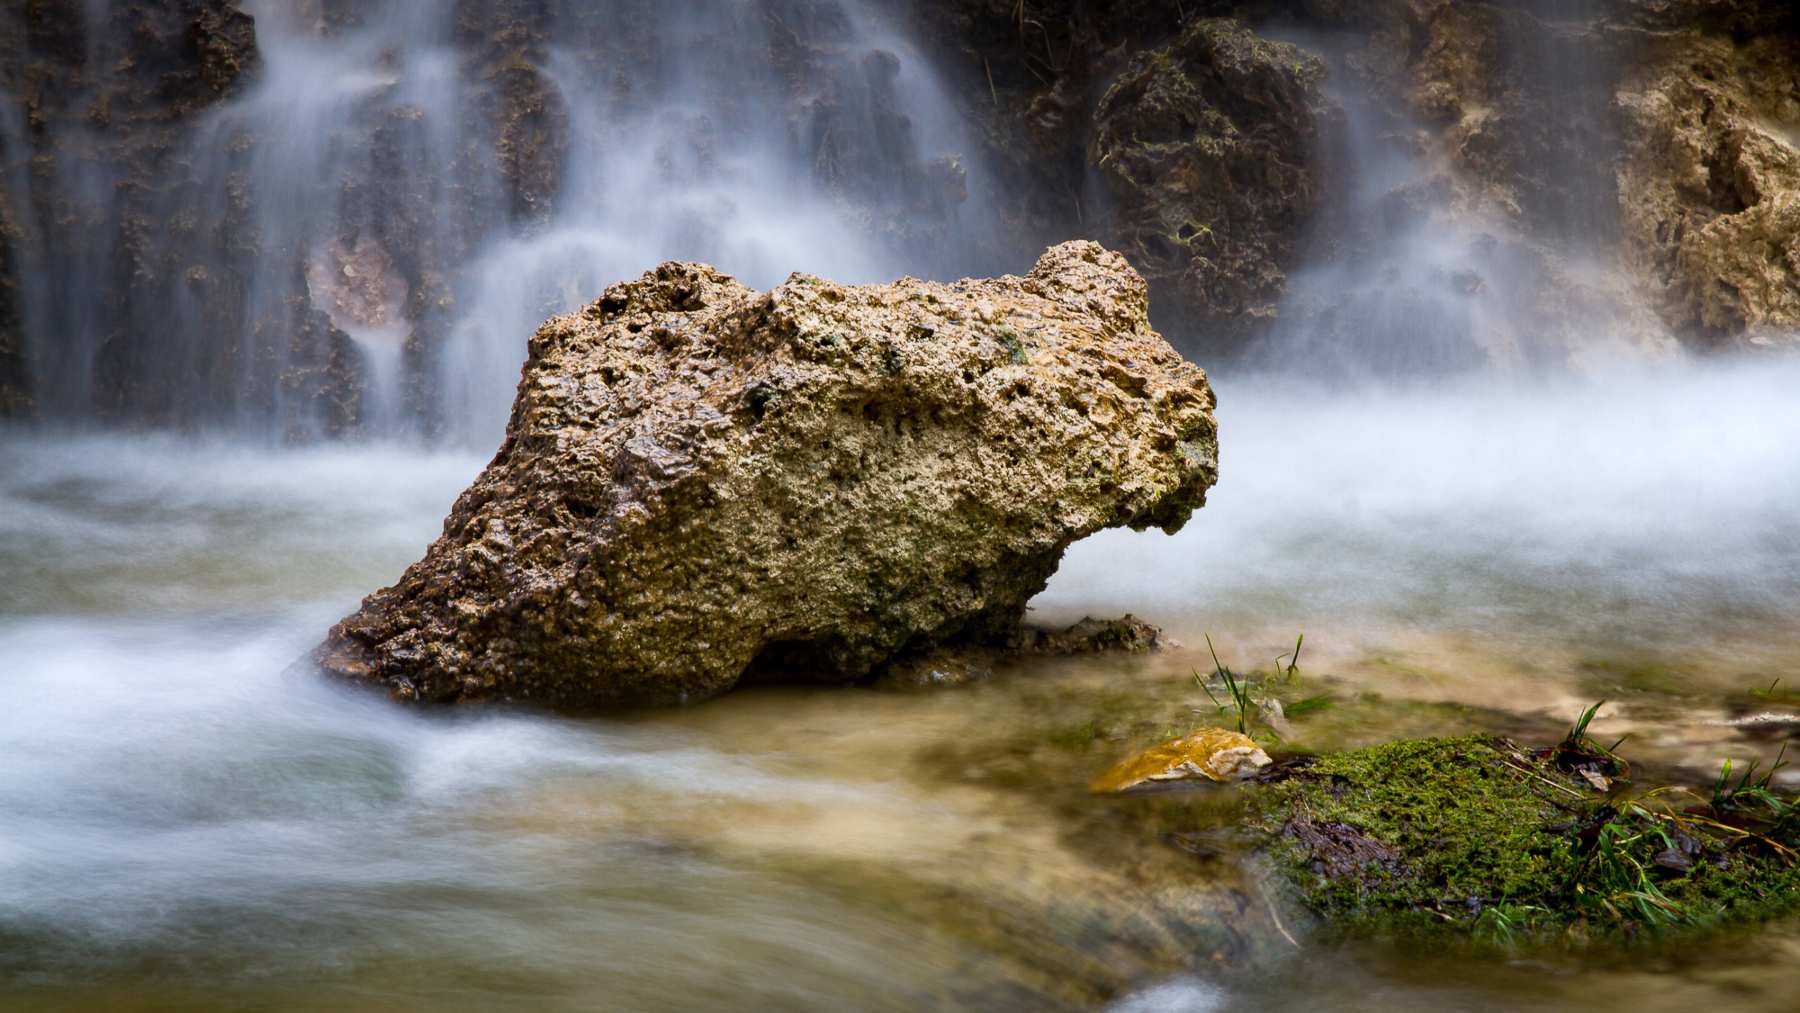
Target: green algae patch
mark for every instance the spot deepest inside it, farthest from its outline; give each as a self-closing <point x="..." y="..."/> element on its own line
<point x="1477" y="838"/>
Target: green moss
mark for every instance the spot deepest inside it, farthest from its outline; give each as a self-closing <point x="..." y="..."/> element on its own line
<point x="1309" y="705"/>
<point x="1079" y="735"/>
<point x="1602" y="677"/>
<point x="1776" y="692"/>
<point x="1457" y="820"/>
<point x="1015" y="348"/>
<point x="1472" y="836"/>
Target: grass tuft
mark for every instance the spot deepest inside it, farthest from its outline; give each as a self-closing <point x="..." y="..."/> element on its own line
<point x="1240" y="703"/>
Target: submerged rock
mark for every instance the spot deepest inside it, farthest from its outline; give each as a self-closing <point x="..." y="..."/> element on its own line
<point x="701" y="482"/>
<point x="1091" y="636"/>
<point x="1210" y="754"/>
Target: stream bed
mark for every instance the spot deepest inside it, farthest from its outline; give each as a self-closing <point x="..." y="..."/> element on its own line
<point x="189" y="820"/>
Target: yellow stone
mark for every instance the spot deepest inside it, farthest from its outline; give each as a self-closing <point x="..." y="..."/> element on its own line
<point x="1212" y="754"/>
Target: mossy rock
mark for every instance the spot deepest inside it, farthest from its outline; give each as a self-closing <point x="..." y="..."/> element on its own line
<point x="1476" y="838"/>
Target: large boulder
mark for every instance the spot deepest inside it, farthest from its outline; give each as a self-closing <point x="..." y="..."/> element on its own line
<point x="702" y="483"/>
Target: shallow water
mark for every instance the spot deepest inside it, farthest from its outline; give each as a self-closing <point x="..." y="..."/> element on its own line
<point x="189" y="822"/>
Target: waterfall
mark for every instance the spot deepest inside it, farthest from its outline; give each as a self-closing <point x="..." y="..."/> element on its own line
<point x="1425" y="268"/>
<point x="362" y="238"/>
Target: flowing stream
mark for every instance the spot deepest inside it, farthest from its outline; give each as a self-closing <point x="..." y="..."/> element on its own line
<point x="190" y="820"/>
<point x="190" y="823"/>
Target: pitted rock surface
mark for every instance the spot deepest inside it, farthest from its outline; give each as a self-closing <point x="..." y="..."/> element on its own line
<point x="1209" y="149"/>
<point x="1710" y="186"/>
<point x="701" y="482"/>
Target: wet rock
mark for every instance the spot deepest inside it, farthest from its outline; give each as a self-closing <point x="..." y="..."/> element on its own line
<point x="1028" y="76"/>
<point x="702" y="483"/>
<point x="1209" y="151"/>
<point x="223" y="42"/>
<point x="1340" y="851"/>
<point x="955" y="665"/>
<point x="1710" y="187"/>
<point x="356" y="286"/>
<point x="1090" y="636"/>
<point x="1211" y="754"/>
<point x="1673" y="860"/>
<point x="14" y="375"/>
<point x="940" y="669"/>
<point x="1059" y="85"/>
<point x="1525" y="109"/>
<point x="1744" y="18"/>
<point x="99" y="92"/>
<point x="1273" y="716"/>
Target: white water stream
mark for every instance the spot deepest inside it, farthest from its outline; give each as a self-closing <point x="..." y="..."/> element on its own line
<point x="183" y="809"/>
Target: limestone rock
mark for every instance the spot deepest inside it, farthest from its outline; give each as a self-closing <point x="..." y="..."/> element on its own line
<point x="1645" y="148"/>
<point x="1208" y="148"/>
<point x="1710" y="188"/>
<point x="701" y="483"/>
<point x="1210" y="754"/>
<point x="101" y="91"/>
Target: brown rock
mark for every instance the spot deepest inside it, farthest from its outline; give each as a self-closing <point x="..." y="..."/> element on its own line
<point x="14" y="378"/>
<point x="957" y="664"/>
<point x="1091" y="636"/>
<point x="1710" y="188"/>
<point x="1207" y="147"/>
<point x="103" y="92"/>
<point x="700" y="481"/>
<point x="1634" y="159"/>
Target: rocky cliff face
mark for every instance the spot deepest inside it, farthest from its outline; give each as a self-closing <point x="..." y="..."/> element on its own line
<point x="1182" y="138"/>
<point x="1541" y="128"/>
<point x="702" y="483"/>
<point x="1618" y="166"/>
<point x="100" y="102"/>
<point x="1211" y="152"/>
<point x="1710" y="184"/>
<point x="1652" y="139"/>
<point x="259" y="247"/>
<point x="14" y="371"/>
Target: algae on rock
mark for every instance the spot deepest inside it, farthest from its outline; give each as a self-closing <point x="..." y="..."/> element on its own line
<point x="701" y="482"/>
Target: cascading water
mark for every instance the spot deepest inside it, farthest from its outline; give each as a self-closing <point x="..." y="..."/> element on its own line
<point x="363" y="238"/>
<point x="1483" y="516"/>
<point x="1418" y="273"/>
<point x="722" y="162"/>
